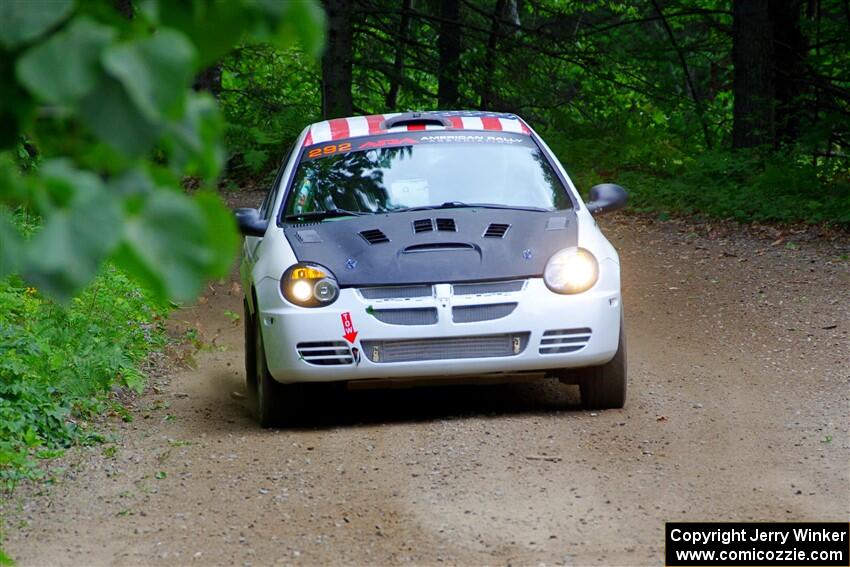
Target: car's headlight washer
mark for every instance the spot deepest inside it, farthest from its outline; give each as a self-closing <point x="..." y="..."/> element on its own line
<point x="309" y="285"/>
<point x="571" y="270"/>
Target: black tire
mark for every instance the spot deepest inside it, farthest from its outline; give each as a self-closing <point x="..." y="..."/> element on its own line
<point x="267" y="400"/>
<point x="250" y="352"/>
<point x="604" y="386"/>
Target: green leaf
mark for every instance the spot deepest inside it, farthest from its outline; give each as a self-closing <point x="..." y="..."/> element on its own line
<point x="77" y="235"/>
<point x="222" y="236"/>
<point x="283" y="22"/>
<point x="165" y="247"/>
<point x="213" y="27"/>
<point x="133" y="182"/>
<point x="65" y="67"/>
<point x="25" y="20"/>
<point x="193" y="144"/>
<point x="112" y="116"/>
<point x="155" y="72"/>
<point x="5" y="560"/>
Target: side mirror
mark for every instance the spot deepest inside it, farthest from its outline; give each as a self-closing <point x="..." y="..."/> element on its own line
<point x="605" y="198"/>
<point x="250" y="223"/>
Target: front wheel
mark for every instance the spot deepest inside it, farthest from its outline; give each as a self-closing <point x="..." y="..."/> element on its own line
<point x="604" y="386"/>
<point x="250" y="351"/>
<point x="265" y="393"/>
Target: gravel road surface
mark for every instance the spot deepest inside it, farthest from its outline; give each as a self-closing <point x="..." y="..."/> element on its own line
<point x="738" y="409"/>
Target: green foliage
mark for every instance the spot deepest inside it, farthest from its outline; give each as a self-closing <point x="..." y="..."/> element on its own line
<point x="99" y="126"/>
<point x="268" y="96"/>
<point x="23" y="21"/>
<point x="666" y="175"/>
<point x="64" y="68"/>
<point x="112" y="98"/>
<point x="635" y="88"/>
<point x="59" y="362"/>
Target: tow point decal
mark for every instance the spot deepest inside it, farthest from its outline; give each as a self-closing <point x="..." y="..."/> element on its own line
<point x="348" y="327"/>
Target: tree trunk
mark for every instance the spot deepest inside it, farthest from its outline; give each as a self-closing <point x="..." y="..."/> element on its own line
<point x="448" y="91"/>
<point x="490" y="56"/>
<point x="789" y="47"/>
<point x="398" y="62"/>
<point x="754" y="85"/>
<point x="209" y="80"/>
<point x="337" y="60"/>
<point x="687" y="72"/>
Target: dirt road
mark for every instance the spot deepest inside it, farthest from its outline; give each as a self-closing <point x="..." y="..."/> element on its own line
<point x="737" y="410"/>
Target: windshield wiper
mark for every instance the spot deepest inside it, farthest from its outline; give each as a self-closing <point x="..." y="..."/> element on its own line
<point x="326" y="214"/>
<point x="461" y="205"/>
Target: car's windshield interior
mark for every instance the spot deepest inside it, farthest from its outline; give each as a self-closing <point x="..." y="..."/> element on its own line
<point x="389" y="179"/>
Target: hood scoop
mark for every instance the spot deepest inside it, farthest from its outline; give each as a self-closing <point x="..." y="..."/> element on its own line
<point x="374" y="236"/>
<point x="438" y="247"/>
<point x="496" y="230"/>
<point x="429" y="258"/>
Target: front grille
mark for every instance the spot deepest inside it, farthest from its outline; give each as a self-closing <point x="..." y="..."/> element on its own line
<point x="396" y="292"/>
<point x="488" y="287"/>
<point x="414" y="316"/>
<point x="445" y="348"/>
<point x="486" y="312"/>
<point x="325" y="353"/>
<point x="562" y="341"/>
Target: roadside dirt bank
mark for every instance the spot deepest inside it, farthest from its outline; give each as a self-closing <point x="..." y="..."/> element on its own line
<point x="739" y="408"/>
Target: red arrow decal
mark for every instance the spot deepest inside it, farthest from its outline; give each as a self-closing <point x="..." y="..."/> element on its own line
<point x="348" y="327"/>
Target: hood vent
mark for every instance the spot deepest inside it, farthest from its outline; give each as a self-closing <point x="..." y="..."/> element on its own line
<point x="374" y="236"/>
<point x="422" y="225"/>
<point x="447" y="225"/>
<point x="496" y="230"/>
<point x="427" y="225"/>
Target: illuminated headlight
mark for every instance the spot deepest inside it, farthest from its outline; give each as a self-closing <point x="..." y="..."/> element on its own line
<point x="309" y="285"/>
<point x="572" y="270"/>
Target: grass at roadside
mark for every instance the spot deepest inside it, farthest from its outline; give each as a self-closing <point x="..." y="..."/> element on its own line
<point x="59" y="363"/>
<point x="747" y="186"/>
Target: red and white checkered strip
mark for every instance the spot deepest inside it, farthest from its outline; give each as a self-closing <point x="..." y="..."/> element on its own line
<point x="344" y="128"/>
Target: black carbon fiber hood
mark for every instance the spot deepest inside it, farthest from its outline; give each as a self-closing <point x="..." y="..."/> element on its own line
<point x="434" y="246"/>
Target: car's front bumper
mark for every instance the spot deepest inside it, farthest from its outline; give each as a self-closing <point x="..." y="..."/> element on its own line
<point x="543" y="331"/>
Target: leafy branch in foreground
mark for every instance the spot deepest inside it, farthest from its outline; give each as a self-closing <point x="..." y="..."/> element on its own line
<point x="111" y="95"/>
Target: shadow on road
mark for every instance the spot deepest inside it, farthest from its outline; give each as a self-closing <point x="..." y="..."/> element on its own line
<point x="328" y="406"/>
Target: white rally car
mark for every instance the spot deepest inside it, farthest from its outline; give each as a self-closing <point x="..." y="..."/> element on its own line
<point x="429" y="244"/>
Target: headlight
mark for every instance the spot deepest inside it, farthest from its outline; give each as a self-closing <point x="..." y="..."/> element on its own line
<point x="309" y="285"/>
<point x="572" y="270"/>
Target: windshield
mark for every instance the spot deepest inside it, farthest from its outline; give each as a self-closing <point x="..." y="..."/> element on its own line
<point x="428" y="169"/>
